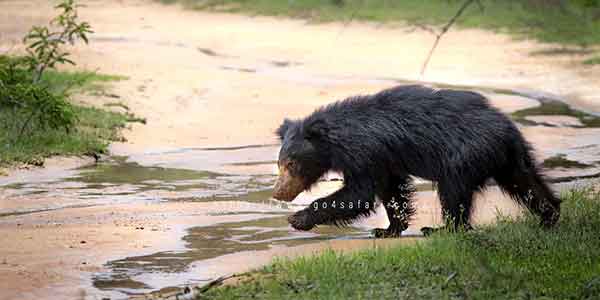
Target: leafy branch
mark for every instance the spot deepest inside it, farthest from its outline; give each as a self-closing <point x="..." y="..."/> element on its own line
<point x="44" y="46"/>
<point x="22" y="88"/>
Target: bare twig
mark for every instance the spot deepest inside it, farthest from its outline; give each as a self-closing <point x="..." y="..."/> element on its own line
<point x="216" y="282"/>
<point x="444" y="30"/>
<point x="29" y="119"/>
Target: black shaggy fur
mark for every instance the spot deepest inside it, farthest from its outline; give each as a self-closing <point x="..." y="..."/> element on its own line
<point x="453" y="138"/>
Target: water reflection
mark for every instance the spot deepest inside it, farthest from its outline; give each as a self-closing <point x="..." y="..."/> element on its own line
<point x="131" y="275"/>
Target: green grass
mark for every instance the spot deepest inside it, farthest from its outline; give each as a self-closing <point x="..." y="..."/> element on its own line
<point x="514" y="259"/>
<point x="592" y="61"/>
<point x="544" y="22"/>
<point x="95" y="127"/>
<point x="94" y="130"/>
<point x="78" y="81"/>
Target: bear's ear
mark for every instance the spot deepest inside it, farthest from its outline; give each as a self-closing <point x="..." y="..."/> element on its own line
<point x="283" y="128"/>
<point x="316" y="129"/>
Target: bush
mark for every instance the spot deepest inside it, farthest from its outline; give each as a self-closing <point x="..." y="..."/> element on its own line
<point x="38" y="120"/>
<point x="33" y="106"/>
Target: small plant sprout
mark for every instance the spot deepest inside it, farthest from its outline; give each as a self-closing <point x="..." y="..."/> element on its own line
<point x="45" y="46"/>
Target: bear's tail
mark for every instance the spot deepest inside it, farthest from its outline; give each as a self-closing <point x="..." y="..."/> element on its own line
<point x="523" y="182"/>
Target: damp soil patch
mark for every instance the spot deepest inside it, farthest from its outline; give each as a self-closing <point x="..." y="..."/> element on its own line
<point x="209" y="242"/>
<point x="120" y="173"/>
<point x="561" y="161"/>
<point x="555" y="108"/>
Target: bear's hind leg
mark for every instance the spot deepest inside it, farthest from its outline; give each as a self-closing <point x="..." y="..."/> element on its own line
<point x="527" y="187"/>
<point x="456" y="201"/>
<point x="398" y="205"/>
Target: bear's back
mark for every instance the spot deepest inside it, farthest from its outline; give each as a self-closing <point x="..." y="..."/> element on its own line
<point x="419" y="121"/>
<point x="412" y="102"/>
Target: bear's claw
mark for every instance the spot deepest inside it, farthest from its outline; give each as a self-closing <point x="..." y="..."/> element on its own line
<point x="301" y="220"/>
<point x="427" y="231"/>
<point x="381" y="233"/>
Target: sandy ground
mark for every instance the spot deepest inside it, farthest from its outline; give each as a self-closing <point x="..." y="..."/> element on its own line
<point x="51" y="255"/>
<point x="236" y="95"/>
<point x="216" y="80"/>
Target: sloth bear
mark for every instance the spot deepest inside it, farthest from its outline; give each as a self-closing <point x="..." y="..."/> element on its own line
<point x="453" y="138"/>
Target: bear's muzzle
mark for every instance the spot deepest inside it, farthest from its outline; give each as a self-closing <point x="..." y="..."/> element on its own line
<point x="287" y="186"/>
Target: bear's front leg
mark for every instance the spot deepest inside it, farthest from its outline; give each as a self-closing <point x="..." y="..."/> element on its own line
<point x="397" y="202"/>
<point x="339" y="208"/>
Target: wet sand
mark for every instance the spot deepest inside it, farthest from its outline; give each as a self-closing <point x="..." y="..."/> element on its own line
<point x="52" y="255"/>
<point x="213" y="88"/>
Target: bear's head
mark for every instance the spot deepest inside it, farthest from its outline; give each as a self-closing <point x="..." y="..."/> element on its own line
<point x="304" y="156"/>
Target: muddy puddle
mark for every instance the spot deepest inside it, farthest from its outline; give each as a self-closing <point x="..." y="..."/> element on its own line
<point x="262" y="221"/>
<point x="118" y="181"/>
<point x="134" y="275"/>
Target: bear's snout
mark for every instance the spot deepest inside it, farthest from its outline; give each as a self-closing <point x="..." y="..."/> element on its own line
<point x="287" y="186"/>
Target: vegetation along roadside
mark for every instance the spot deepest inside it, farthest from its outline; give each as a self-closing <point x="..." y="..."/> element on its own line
<point x="574" y="26"/>
<point x="39" y="118"/>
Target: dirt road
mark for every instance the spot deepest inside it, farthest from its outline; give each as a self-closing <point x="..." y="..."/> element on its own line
<point x="213" y="88"/>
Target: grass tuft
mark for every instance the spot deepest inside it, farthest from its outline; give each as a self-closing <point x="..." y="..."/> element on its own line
<point x="88" y="81"/>
<point x="94" y="127"/>
<point x="592" y="61"/>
